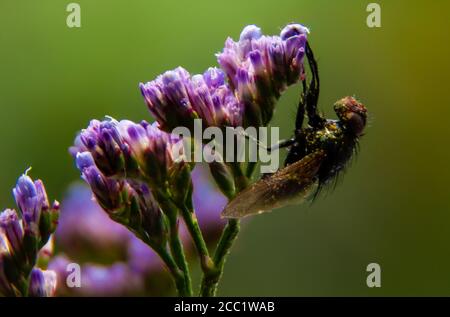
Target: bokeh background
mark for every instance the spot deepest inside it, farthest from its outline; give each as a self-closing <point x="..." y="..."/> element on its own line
<point x="392" y="207"/>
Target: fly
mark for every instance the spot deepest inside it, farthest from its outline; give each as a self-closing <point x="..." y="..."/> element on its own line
<point x="317" y="153"/>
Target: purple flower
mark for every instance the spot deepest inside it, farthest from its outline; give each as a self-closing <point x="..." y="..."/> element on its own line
<point x="260" y="67"/>
<point x="124" y="150"/>
<point x="107" y="191"/>
<point x="39" y="219"/>
<point x="42" y="283"/>
<point x="167" y="99"/>
<point x="153" y="221"/>
<point x="152" y="149"/>
<point x="31" y="198"/>
<point x="103" y="140"/>
<point x="21" y="238"/>
<point x="12" y="227"/>
<point x="175" y="98"/>
<point x="213" y="100"/>
<point x="85" y="232"/>
<point x="129" y="202"/>
<point x="5" y="286"/>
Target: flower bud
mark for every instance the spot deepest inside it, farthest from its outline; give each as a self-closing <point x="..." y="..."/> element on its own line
<point x="167" y="99"/>
<point x="107" y="191"/>
<point x="42" y="283"/>
<point x="12" y="228"/>
<point x="176" y="98"/>
<point x="153" y="221"/>
<point x="293" y="29"/>
<point x="31" y="198"/>
<point x="39" y="219"/>
<point x="103" y="140"/>
<point x="223" y="178"/>
<point x="262" y="67"/>
<point x="5" y="286"/>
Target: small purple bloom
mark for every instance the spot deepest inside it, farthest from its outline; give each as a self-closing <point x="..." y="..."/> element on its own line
<point x="31" y="197"/>
<point x="152" y="218"/>
<point x="152" y="149"/>
<point x="176" y="98"/>
<point x="107" y="191"/>
<point x="167" y="99"/>
<point x="5" y="286"/>
<point x="12" y="227"/>
<point x="250" y="32"/>
<point x="42" y="283"/>
<point x="271" y="63"/>
<point x="23" y="235"/>
<point x="292" y="30"/>
<point x="103" y="140"/>
<point x="124" y="150"/>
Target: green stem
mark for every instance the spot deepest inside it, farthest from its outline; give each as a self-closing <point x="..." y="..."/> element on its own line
<point x="194" y="229"/>
<point x="230" y="232"/>
<point x="172" y="266"/>
<point x="176" y="247"/>
<point x="211" y="280"/>
<point x="177" y="250"/>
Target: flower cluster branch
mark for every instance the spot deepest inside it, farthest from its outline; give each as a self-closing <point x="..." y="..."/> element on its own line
<point x="23" y="234"/>
<point x="131" y="168"/>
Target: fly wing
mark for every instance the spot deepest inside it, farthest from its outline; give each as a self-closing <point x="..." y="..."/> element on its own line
<point x="289" y="185"/>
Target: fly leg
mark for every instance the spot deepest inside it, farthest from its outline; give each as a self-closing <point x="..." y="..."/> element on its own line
<point x="299" y="117"/>
<point x="312" y="94"/>
<point x="282" y="144"/>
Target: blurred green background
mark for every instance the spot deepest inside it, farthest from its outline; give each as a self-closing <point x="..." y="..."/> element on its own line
<point x="392" y="207"/>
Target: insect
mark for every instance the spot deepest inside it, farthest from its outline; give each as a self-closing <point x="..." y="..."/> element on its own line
<point x="317" y="153"/>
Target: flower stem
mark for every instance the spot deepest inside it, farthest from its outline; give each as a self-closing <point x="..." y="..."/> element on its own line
<point x="177" y="250"/>
<point x="230" y="232"/>
<point x="176" y="247"/>
<point x="172" y="266"/>
<point x="211" y="280"/>
<point x="194" y="229"/>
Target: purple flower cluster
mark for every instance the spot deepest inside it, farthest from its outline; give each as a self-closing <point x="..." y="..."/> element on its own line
<point x="108" y="252"/>
<point x="137" y="171"/>
<point x="175" y="98"/>
<point x="31" y="198"/>
<point x="258" y="69"/>
<point x="126" y="149"/>
<point x="85" y="230"/>
<point x="42" y="283"/>
<point x="22" y="235"/>
<point x="125" y="163"/>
